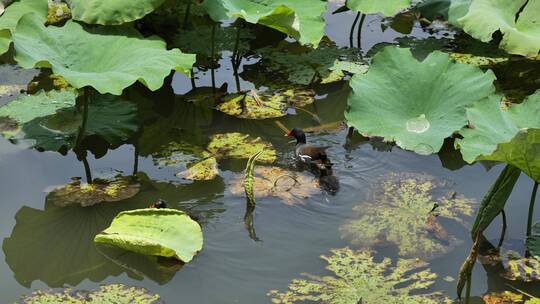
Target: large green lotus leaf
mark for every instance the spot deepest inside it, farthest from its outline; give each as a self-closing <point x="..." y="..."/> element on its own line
<point x="111" y="62"/>
<point x="14" y="12"/>
<point x="417" y="104"/>
<point x="492" y="125"/>
<point x="113" y="293"/>
<point x="300" y="19"/>
<point x="357" y="277"/>
<point x="26" y="108"/>
<point x="400" y="212"/>
<point x="387" y="7"/>
<point x="533" y="241"/>
<point x="111" y="12"/>
<point x="520" y="36"/>
<point x="523" y="152"/>
<point x="160" y="232"/>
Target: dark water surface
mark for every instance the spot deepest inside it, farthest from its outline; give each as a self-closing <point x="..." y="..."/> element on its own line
<point x="52" y="247"/>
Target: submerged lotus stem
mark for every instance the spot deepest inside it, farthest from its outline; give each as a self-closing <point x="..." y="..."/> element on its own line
<point x="503" y="231"/>
<point x="353" y="26"/>
<point x="282" y="127"/>
<point x="531" y="208"/>
<point x="286" y="175"/>
<point x="249" y="179"/>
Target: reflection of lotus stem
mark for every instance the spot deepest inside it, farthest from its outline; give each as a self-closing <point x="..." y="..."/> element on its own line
<point x="186" y="15"/>
<point x="87" y="171"/>
<point x="235" y="59"/>
<point x="313" y="115"/>
<point x="136" y="157"/>
<point x="192" y="78"/>
<point x="359" y="34"/>
<point x="531" y="208"/>
<point x="352" y="29"/>
<point x="286" y="175"/>
<point x="212" y="51"/>
<point x="503" y="231"/>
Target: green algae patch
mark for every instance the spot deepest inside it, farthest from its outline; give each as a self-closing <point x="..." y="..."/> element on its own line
<point x="205" y="169"/>
<point x="240" y="146"/>
<point x="404" y="211"/>
<point x="167" y="233"/>
<point x="101" y="190"/>
<point x="112" y="293"/>
<point x="266" y="104"/>
<point x="358" y="278"/>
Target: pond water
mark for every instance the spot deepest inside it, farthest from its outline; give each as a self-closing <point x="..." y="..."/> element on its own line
<point x="48" y="246"/>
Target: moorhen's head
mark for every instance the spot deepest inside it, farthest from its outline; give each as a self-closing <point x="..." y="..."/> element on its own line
<point x="298" y="134"/>
<point x="159" y="204"/>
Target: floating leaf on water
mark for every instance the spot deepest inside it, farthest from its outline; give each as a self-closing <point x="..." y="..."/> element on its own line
<point x="160" y="232"/>
<point x="130" y="58"/>
<point x="533" y="241"/>
<point x="240" y="146"/>
<point x="111" y="13"/>
<point x="273" y="104"/>
<point x="76" y="193"/>
<point x="404" y="211"/>
<point x="205" y="169"/>
<point x="300" y="19"/>
<point x="358" y="278"/>
<point x="291" y="187"/>
<point x="520" y="34"/>
<point x="13" y="13"/>
<point x="521" y="269"/>
<point x="399" y="94"/>
<point x="112" y="293"/>
<point x="505" y="297"/>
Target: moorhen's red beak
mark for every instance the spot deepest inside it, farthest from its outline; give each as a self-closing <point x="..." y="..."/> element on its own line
<point x="288" y="134"/>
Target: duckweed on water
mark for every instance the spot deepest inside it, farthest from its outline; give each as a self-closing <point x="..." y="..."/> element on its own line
<point x="404" y="211"/>
<point x="358" y="278"/>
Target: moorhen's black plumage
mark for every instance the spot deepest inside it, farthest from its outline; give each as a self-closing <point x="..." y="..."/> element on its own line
<point x="159" y="204"/>
<point x="309" y="154"/>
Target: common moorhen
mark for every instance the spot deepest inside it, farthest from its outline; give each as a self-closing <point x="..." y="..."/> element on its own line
<point x="159" y="204"/>
<point x="309" y="154"/>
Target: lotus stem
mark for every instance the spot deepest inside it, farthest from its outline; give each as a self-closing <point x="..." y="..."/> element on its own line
<point x="465" y="273"/>
<point x="503" y="231"/>
<point x="82" y="128"/>
<point x="359" y="33"/>
<point x="235" y="50"/>
<point x="286" y="175"/>
<point x="531" y="208"/>
<point x="136" y="157"/>
<point x="353" y="26"/>
<point x="87" y="171"/>
<point x="249" y="179"/>
<point x="212" y="51"/>
<point x="192" y="79"/>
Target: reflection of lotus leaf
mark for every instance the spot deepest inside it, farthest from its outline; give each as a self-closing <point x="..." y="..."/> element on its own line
<point x="505" y="297"/>
<point x="113" y="293"/>
<point x="129" y="57"/>
<point x="273" y="104"/>
<point x="400" y="213"/>
<point x="13" y="80"/>
<point x="300" y="19"/>
<point x="291" y="187"/>
<point x="198" y="40"/>
<point x="83" y="194"/>
<point x="160" y="232"/>
<point x="398" y="88"/>
<point x="521" y="35"/>
<point x="358" y="278"/>
<point x="240" y="146"/>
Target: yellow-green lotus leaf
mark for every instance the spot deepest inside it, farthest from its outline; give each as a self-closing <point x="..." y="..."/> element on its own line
<point x="403" y="211"/>
<point x="105" y="294"/>
<point x="357" y="277"/>
<point x="101" y="190"/>
<point x="167" y="233"/>
<point x="272" y="104"/>
<point x="290" y="187"/>
<point x="240" y="146"/>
